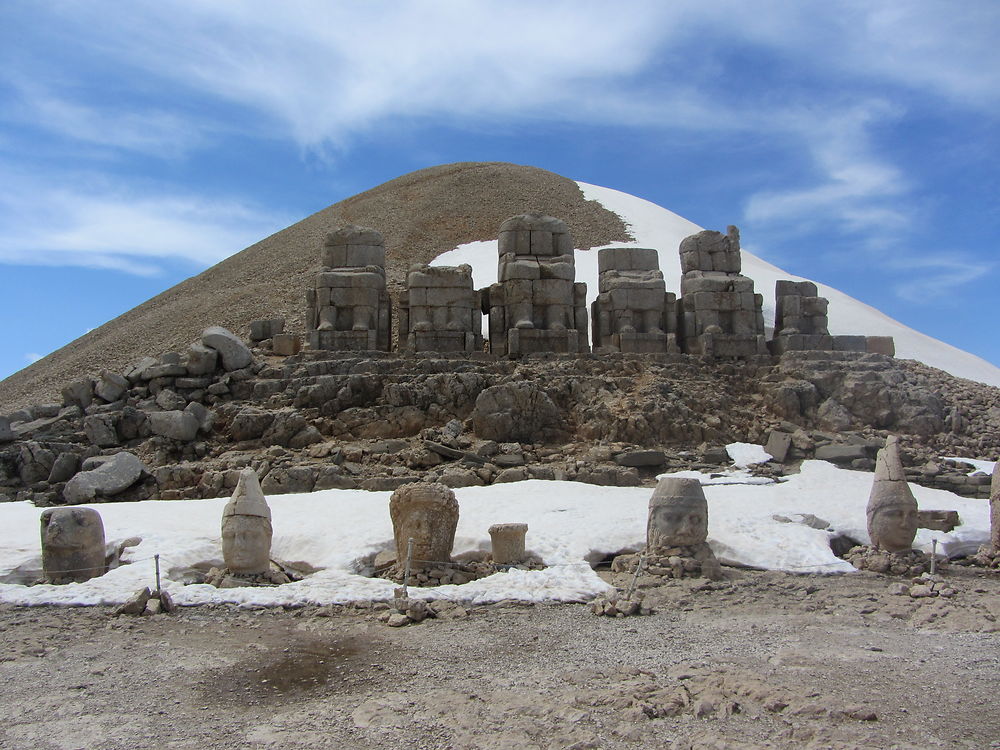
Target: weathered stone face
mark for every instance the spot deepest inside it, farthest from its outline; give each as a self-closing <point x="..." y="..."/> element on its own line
<point x="246" y="544"/>
<point x="678" y="515"/>
<point x="246" y="528"/>
<point x="892" y="509"/>
<point x="72" y="544"/>
<point x="428" y="514"/>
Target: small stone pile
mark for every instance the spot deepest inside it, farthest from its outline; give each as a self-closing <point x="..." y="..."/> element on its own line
<point x="146" y="602"/>
<point x="909" y="562"/>
<point x="455" y="573"/>
<point x="924" y="586"/>
<point x="224" y="578"/>
<point x="405" y="611"/>
<point x="619" y="604"/>
<point x="696" y="561"/>
<point x="986" y="557"/>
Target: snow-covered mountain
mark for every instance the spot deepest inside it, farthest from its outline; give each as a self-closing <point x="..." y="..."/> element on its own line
<point x="654" y="226"/>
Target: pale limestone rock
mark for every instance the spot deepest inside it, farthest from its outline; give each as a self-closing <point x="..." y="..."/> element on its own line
<point x="112" y="476"/>
<point x="508" y="542"/>
<point x="234" y="353"/>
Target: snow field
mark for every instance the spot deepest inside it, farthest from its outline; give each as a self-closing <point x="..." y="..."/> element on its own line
<point x="569" y="524"/>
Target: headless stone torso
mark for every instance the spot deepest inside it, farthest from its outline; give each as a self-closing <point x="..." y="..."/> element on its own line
<point x="537" y="268"/>
<point x="349" y="305"/>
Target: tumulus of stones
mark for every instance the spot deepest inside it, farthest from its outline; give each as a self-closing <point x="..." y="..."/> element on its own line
<point x="420" y="215"/>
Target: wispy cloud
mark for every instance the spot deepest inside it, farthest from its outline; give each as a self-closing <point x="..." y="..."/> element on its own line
<point x="854" y="187"/>
<point x="117" y="227"/>
<point x="939" y="277"/>
<point x="32" y="357"/>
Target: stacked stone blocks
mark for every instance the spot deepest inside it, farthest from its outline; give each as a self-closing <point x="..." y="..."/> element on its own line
<point x="536" y="305"/>
<point x="348" y="309"/>
<point x="633" y="312"/>
<point x="720" y="315"/>
<point x="440" y="311"/>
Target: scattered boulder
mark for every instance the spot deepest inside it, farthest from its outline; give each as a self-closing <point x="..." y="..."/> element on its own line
<point x="6" y="433"/>
<point x="234" y="353"/>
<point x="111" y="386"/>
<point x="100" y="430"/>
<point x="115" y="475"/>
<point x="201" y="359"/>
<point x="518" y="412"/>
<point x="175" y="424"/>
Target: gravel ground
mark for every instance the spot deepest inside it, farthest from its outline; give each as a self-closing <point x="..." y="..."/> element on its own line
<point x="759" y="660"/>
<point x="421" y="215"/>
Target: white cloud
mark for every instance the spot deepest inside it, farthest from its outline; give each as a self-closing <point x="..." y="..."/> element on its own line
<point x="118" y="126"/>
<point x="941" y="277"/>
<point x="327" y="71"/>
<point x="116" y="227"/>
<point x="32" y="357"/>
<point x="855" y="188"/>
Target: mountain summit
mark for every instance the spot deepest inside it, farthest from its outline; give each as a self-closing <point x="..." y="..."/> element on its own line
<point x="450" y="213"/>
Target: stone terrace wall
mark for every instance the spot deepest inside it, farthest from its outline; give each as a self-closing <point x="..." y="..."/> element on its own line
<point x="322" y="419"/>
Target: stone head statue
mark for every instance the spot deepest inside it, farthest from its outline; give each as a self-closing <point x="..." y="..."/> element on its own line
<point x="428" y="514"/>
<point x="892" y="509"/>
<point x="678" y="514"/>
<point x="72" y="544"/>
<point x="246" y="528"/>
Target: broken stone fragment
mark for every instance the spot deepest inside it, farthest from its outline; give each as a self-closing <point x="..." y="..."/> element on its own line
<point x="175" y="424"/>
<point x="114" y="475"/>
<point x="234" y="353"/>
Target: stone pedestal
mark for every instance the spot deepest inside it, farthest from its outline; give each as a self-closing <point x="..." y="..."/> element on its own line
<point x="508" y="542"/>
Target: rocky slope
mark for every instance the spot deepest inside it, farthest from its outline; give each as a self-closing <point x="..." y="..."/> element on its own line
<point x="421" y="215"/>
<point x="182" y="427"/>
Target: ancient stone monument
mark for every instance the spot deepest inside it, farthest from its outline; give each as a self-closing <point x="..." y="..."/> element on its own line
<point x="246" y="528"/>
<point x="536" y="306"/>
<point x="800" y="318"/>
<point x="72" y="544"/>
<point x="892" y="509"/>
<point x="801" y="323"/>
<point x="720" y="314"/>
<point x="676" y="533"/>
<point x="440" y="311"/>
<point x="349" y="307"/>
<point x="427" y="513"/>
<point x="633" y="311"/>
<point x="508" y="542"/>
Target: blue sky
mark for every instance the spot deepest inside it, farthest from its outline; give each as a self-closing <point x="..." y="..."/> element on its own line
<point x="855" y="143"/>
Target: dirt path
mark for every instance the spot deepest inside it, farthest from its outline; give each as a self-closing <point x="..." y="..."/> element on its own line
<point x="760" y="660"/>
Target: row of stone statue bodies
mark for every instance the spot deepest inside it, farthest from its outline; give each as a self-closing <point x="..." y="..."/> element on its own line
<point x="73" y="545"/>
<point x="538" y="306"/>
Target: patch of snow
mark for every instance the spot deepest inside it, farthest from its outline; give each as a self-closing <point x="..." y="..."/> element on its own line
<point x="747" y="454"/>
<point x="654" y="226"/>
<point x="568" y="523"/>
<point x="986" y="467"/>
